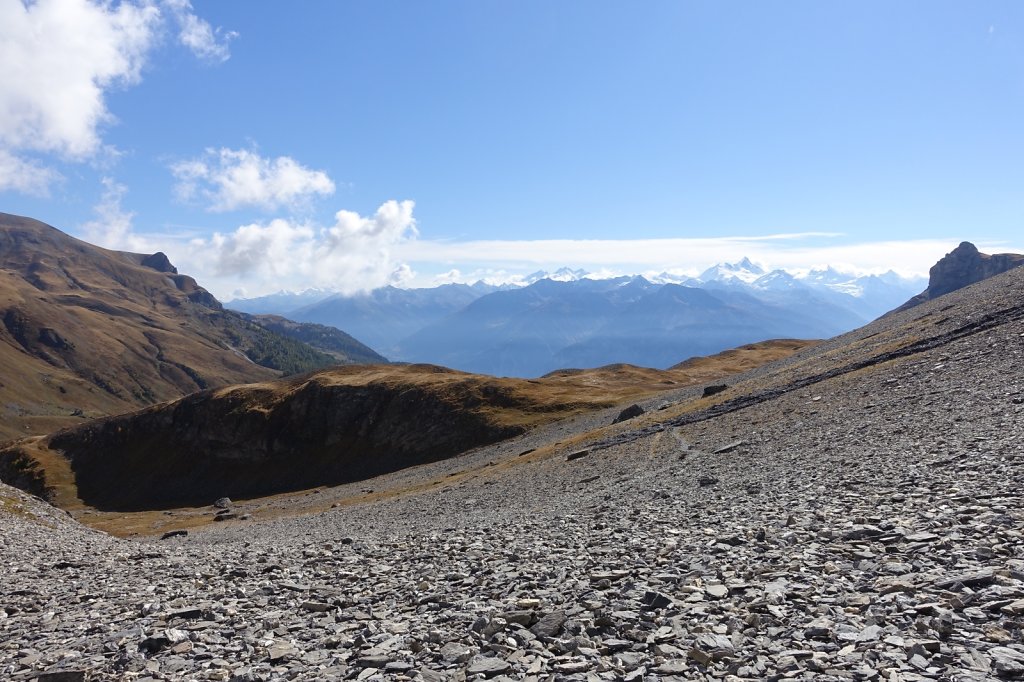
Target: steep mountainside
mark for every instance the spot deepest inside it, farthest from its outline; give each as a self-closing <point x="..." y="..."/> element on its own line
<point x="85" y="331"/>
<point x="336" y="343"/>
<point x="961" y="267"/>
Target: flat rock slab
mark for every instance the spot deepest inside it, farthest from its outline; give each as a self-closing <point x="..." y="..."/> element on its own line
<point x="488" y="667"/>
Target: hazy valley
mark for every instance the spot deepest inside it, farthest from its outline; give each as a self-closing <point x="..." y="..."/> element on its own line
<point x="566" y="319"/>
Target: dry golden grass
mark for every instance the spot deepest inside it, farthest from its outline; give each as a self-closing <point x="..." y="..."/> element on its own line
<point x="739" y="359"/>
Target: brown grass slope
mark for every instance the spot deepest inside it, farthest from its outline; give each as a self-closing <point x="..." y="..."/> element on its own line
<point x="86" y="331"/>
<point x="325" y="428"/>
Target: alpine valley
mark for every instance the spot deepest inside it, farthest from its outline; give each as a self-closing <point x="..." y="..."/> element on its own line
<point x="567" y="319"/>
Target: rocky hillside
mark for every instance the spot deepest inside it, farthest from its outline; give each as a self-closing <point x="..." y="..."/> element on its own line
<point x="333" y="426"/>
<point x="961" y="267"/>
<point x="85" y="331"/>
<point x="850" y="512"/>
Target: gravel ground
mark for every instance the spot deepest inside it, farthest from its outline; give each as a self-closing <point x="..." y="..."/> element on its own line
<point x="861" y="524"/>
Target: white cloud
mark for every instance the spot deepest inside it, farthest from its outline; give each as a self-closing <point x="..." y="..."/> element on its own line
<point x="353" y="254"/>
<point x="230" y="179"/>
<point x="277" y="249"/>
<point x="401" y="276"/>
<point x="112" y="228"/>
<point x="25" y="176"/>
<point x="59" y="57"/>
<point x="58" y="61"/>
<point x="197" y="35"/>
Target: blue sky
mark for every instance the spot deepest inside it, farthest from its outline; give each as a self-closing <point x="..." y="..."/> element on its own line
<point x="468" y="139"/>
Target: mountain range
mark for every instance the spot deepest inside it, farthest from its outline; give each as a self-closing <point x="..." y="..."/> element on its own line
<point x="569" y="319"/>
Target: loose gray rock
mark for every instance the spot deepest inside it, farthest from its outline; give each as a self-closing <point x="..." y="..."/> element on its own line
<point x="630" y="412"/>
<point x="549" y="625"/>
<point x="488" y="666"/>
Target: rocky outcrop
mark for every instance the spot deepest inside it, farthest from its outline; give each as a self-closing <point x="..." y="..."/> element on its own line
<point x="963" y="266"/>
<point x="160" y="262"/>
<point x="249" y="442"/>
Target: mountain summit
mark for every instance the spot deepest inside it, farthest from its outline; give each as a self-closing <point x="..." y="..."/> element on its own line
<point x="745" y="271"/>
<point x="963" y="266"/>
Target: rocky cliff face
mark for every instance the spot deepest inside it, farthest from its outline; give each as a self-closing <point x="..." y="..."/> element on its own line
<point x="335" y="426"/>
<point x="961" y="267"/>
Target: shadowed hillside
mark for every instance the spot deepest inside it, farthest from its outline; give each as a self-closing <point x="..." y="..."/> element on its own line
<point x="333" y="426"/>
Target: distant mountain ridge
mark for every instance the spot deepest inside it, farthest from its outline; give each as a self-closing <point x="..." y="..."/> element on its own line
<point x="589" y="323"/>
<point x="568" y="318"/>
<point x="334" y="342"/>
<point x="382" y="317"/>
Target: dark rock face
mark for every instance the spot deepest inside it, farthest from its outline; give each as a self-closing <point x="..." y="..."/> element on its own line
<point x="17" y="468"/>
<point x="160" y="262"/>
<point x="961" y="267"/>
<point x="712" y="390"/>
<point x="196" y="293"/>
<point x="246" y="444"/>
<point x="633" y="410"/>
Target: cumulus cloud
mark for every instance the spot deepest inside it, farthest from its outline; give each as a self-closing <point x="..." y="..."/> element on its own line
<point x="198" y="35"/>
<point x="113" y="227"/>
<point x="51" y="91"/>
<point x="355" y="253"/>
<point x="59" y="60"/>
<point x="277" y="249"/>
<point x="25" y="176"/>
<point x="230" y="179"/>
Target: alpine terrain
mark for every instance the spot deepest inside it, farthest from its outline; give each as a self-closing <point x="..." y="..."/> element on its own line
<point x="847" y="510"/>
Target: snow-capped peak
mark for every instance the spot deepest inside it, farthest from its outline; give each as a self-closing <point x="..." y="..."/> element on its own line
<point x="671" y="278"/>
<point x="560" y="275"/>
<point x="775" y="280"/>
<point x="745" y="271"/>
